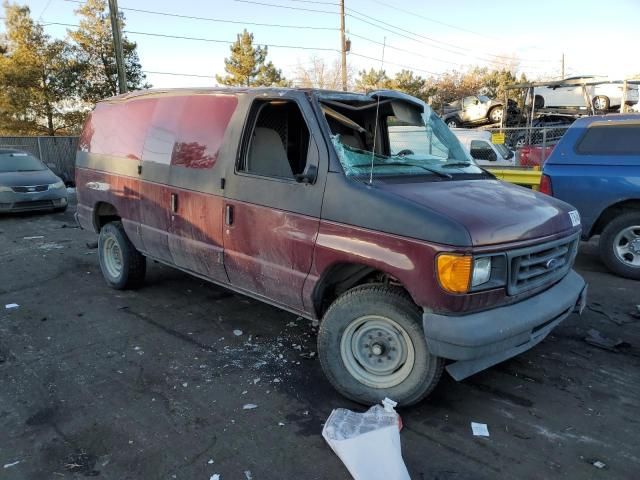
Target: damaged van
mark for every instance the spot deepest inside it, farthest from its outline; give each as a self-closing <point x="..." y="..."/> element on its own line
<point x="413" y="258"/>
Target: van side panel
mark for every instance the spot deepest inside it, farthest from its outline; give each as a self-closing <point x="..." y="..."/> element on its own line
<point x="112" y="142"/>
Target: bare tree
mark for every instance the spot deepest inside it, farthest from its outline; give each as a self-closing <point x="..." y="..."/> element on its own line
<point x="316" y="73"/>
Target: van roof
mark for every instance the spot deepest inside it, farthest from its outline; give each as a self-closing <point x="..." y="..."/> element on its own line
<point x="167" y="92"/>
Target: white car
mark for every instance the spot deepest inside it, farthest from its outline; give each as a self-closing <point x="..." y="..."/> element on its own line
<point x="477" y="143"/>
<point x="603" y="96"/>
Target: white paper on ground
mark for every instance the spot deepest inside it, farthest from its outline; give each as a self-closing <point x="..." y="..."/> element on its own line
<point x="480" y="429"/>
<point x="9" y="306"/>
<point x="367" y="443"/>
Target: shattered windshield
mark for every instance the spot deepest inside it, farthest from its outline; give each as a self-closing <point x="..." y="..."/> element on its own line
<point x="419" y="144"/>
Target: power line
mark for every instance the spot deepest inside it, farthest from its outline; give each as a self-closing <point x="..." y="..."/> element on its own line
<point x="217" y="20"/>
<point x="414" y="14"/>
<point x="455" y="52"/>
<point x="200" y="39"/>
<point x="288" y="7"/>
<point x="395" y="64"/>
<point x="151" y="72"/>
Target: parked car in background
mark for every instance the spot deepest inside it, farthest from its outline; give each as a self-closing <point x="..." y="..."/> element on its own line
<point x="27" y="184"/>
<point x="545" y="129"/>
<point x="596" y="168"/>
<point x="412" y="257"/>
<point x="474" y="109"/>
<point x="477" y="143"/>
<point x="604" y="96"/>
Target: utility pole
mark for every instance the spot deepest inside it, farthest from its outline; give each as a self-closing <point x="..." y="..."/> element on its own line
<point x="117" y="46"/>
<point x="343" y="49"/>
<point x="562" y="65"/>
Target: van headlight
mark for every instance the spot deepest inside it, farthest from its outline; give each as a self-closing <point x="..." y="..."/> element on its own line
<point x="57" y="185"/>
<point x="463" y="273"/>
<point x="481" y="271"/>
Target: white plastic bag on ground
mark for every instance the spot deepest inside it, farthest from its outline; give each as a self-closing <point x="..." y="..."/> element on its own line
<point x="367" y="443"/>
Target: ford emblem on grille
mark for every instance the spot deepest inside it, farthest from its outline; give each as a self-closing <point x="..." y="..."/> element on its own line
<point x="551" y="264"/>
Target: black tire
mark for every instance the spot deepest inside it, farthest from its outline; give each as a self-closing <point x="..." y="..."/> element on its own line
<point x="60" y="209"/>
<point x="453" y="123"/>
<point x="601" y="103"/>
<point x="378" y="301"/>
<point x="133" y="265"/>
<point x="538" y="101"/>
<point x="608" y="243"/>
<point x="495" y="114"/>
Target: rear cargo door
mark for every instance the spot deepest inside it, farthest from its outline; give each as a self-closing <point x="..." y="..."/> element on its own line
<point x="273" y="200"/>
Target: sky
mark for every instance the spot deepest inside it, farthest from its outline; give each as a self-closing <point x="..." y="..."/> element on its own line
<point x="430" y="37"/>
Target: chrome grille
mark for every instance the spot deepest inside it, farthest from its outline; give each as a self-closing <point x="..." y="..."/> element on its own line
<point x="30" y="189"/>
<point x="539" y="265"/>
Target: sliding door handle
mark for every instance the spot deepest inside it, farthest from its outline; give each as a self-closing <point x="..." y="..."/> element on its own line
<point x="228" y="214"/>
<point x="174" y="202"/>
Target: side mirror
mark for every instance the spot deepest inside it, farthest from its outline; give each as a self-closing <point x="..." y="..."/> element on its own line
<point x="309" y="175"/>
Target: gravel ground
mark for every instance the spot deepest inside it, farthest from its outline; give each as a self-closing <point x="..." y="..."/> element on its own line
<point x="151" y="383"/>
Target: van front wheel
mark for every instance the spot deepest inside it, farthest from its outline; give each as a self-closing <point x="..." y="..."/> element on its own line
<point x="371" y="345"/>
<point x="122" y="265"/>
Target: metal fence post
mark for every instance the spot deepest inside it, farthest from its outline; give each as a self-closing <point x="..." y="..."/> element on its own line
<point x="40" y="151"/>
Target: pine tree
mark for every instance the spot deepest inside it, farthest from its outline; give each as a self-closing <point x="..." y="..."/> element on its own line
<point x="39" y="78"/>
<point x="373" y="80"/>
<point x="247" y="66"/>
<point x="95" y="45"/>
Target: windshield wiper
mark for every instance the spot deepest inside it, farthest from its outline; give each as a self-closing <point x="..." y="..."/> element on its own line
<point x="457" y="164"/>
<point x="432" y="170"/>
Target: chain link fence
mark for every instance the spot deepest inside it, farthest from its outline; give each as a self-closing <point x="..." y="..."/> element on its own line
<point x="531" y="145"/>
<point x="58" y="153"/>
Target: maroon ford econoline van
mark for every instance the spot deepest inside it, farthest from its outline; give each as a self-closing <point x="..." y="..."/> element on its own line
<point x="361" y="211"/>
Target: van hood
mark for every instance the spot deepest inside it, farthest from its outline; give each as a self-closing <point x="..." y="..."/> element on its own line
<point x="24" y="179"/>
<point x="493" y="212"/>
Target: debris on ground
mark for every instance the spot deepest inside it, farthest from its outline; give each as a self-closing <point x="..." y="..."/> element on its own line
<point x="92" y="245"/>
<point x="210" y="462"/>
<point x="33" y="237"/>
<point x="215" y="476"/>
<point x="309" y="355"/>
<point x="237" y="333"/>
<point x="9" y="306"/>
<point x="248" y="475"/>
<point x="280" y="424"/>
<point x="479" y="429"/>
<point x="9" y="465"/>
<point x="356" y="438"/>
<point x="599" y="464"/>
<point x="595" y="338"/>
<point x="249" y="406"/>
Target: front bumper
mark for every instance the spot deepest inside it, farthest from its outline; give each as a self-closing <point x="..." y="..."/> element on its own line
<point x="25" y="202"/>
<point x="479" y="340"/>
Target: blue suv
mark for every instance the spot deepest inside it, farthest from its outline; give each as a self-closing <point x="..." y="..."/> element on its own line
<point x="596" y="168"/>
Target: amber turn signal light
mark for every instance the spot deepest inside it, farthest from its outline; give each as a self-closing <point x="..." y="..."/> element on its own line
<point x="454" y="272"/>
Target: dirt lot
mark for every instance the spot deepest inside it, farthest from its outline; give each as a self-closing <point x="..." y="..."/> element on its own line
<point x="151" y="384"/>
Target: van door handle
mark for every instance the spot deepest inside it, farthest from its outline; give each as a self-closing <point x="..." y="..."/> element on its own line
<point x="174" y="202"/>
<point x="228" y="215"/>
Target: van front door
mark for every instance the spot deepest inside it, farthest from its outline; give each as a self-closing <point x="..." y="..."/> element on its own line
<point x="273" y="201"/>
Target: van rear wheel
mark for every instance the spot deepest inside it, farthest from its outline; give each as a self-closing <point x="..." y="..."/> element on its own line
<point x="620" y="245"/>
<point x="371" y="345"/>
<point x="122" y="265"/>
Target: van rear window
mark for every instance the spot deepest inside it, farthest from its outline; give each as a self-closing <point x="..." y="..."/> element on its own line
<point x="610" y="139"/>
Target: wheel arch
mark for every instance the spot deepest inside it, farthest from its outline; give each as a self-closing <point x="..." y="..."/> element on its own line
<point x="343" y="276"/>
<point x="103" y="213"/>
<point x="611" y="212"/>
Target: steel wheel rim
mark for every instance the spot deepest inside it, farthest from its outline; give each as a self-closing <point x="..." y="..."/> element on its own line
<point x="626" y="246"/>
<point x="600" y="103"/>
<point x="377" y="351"/>
<point x="496" y="114"/>
<point x="112" y="257"/>
<point x="452" y="124"/>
